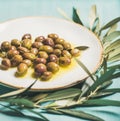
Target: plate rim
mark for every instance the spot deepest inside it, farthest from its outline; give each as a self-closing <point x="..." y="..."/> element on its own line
<point x="60" y="87"/>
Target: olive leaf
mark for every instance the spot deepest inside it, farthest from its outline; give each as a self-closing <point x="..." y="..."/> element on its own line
<point x="80" y="114"/>
<point x="95" y="24"/>
<point x="114" y="90"/>
<point x="82" y="47"/>
<point x="75" y="16"/>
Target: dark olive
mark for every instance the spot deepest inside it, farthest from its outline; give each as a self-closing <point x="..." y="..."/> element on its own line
<point x="5" y="63"/>
<point x="46" y="75"/>
<point x="53" y="58"/>
<point x="26" y="36"/>
<point x="40" y="60"/>
<point x="49" y="41"/>
<point x="12" y="53"/>
<point x="39" y="39"/>
<point x="5" y="46"/>
<point x="53" y="67"/>
<point x="22" y="50"/>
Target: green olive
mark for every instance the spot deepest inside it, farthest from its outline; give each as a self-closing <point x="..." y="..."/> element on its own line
<point x="34" y="51"/>
<point x="46" y="75"/>
<point x="66" y="53"/>
<point x="5" y="63"/>
<point x="53" y="36"/>
<point x="42" y="54"/>
<point x="15" y="42"/>
<point x="59" y="46"/>
<point x="59" y="41"/>
<point x="23" y="50"/>
<point x="46" y="48"/>
<point x="5" y="46"/>
<point x="53" y="67"/>
<point x="67" y="46"/>
<point x="27" y="62"/>
<point x="39" y="39"/>
<point x="40" y="69"/>
<point x="22" y="69"/>
<point x="57" y="52"/>
<point x="29" y="56"/>
<point x="49" y="41"/>
<point x="16" y="60"/>
<point x="37" y="45"/>
<point x="26" y="36"/>
<point x="27" y="43"/>
<point x="12" y="53"/>
<point x="75" y="52"/>
<point x="64" y="61"/>
<point x="40" y="60"/>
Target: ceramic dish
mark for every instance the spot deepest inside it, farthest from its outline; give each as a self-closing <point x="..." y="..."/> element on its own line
<point x="71" y="32"/>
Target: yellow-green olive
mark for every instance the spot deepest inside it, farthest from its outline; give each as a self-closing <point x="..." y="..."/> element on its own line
<point x="42" y="54"/>
<point x="5" y="63"/>
<point x="16" y="60"/>
<point x="34" y="51"/>
<point x="37" y="45"/>
<point x="47" y="49"/>
<point x="40" y="69"/>
<point x="57" y="52"/>
<point x="66" y="53"/>
<point x="67" y="46"/>
<point x="46" y="75"/>
<point x="40" y="60"/>
<point x="15" y="42"/>
<point x="26" y="36"/>
<point x="23" y="50"/>
<point x="53" y="36"/>
<point x="53" y="67"/>
<point x="64" y="61"/>
<point x="12" y="53"/>
<point x="27" y="43"/>
<point x="75" y="52"/>
<point x="29" y="56"/>
<point x="59" y="41"/>
<point x="22" y="69"/>
<point x="5" y="46"/>
<point x="59" y="46"/>
<point x="27" y="62"/>
<point x="39" y="39"/>
<point x="49" y="41"/>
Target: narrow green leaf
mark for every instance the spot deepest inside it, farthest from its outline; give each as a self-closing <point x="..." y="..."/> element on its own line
<point x="92" y="16"/>
<point x="114" y="58"/>
<point x="64" y="14"/>
<point x="76" y="17"/>
<point x="80" y="114"/>
<point x="105" y="77"/>
<point x="20" y="102"/>
<point x="82" y="47"/>
<point x="117" y="66"/>
<point x="85" y="68"/>
<point x="114" y="90"/>
<point x="112" y="36"/>
<point x="96" y="22"/>
<point x="54" y="111"/>
<point x="102" y="102"/>
<point x="62" y="94"/>
<point x="116" y="75"/>
<point x="109" y="24"/>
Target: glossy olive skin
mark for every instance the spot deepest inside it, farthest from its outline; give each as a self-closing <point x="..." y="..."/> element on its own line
<point x="46" y="48"/>
<point x="66" y="53"/>
<point x="57" y="52"/>
<point x="64" y="61"/>
<point x="26" y="36"/>
<point x="22" y="69"/>
<point x="12" y="53"/>
<point x="5" y="46"/>
<point x="27" y="43"/>
<point x="39" y="39"/>
<point x="34" y="51"/>
<point x="15" y="42"/>
<point x="46" y="75"/>
<point x="42" y="54"/>
<point x="37" y="45"/>
<point x="49" y="41"/>
<point x="5" y="63"/>
<point x="27" y="62"/>
<point x="53" y="58"/>
<point x="59" y="41"/>
<point x="53" y="67"/>
<point x="22" y="50"/>
<point x="75" y="52"/>
<point x="67" y="46"/>
<point x="29" y="56"/>
<point x="59" y="46"/>
<point x="53" y="36"/>
<point x="40" y="60"/>
<point x="40" y="69"/>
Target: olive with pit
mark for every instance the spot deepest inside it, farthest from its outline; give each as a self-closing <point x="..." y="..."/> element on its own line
<point x="40" y="60"/>
<point x="5" y="63"/>
<point x="5" y="46"/>
<point x="75" y="52"/>
<point x="16" y="60"/>
<point x="26" y="36"/>
<point x="39" y="39"/>
<point x="12" y="53"/>
<point x="22" y="69"/>
<point x="46" y="75"/>
<point x="42" y="54"/>
<point x="40" y="69"/>
<point x="64" y="61"/>
<point x="27" y="43"/>
<point x="27" y="62"/>
<point x="49" y="41"/>
<point x="53" y="67"/>
<point x="15" y="42"/>
<point x="53" y="36"/>
<point x="29" y="56"/>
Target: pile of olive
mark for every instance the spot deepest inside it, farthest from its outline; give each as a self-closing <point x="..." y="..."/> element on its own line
<point x="44" y="54"/>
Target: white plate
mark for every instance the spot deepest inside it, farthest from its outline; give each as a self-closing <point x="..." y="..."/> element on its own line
<point x="71" y="32"/>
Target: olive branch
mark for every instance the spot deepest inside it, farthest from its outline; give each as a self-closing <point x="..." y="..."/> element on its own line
<point x="89" y="93"/>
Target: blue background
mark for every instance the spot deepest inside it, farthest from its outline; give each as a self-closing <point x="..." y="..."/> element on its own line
<point x="107" y="10"/>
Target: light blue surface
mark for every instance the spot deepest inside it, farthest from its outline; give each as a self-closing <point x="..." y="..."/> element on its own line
<point x="107" y="10"/>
